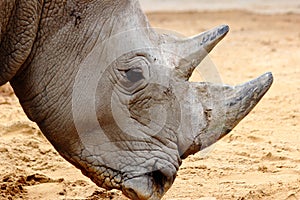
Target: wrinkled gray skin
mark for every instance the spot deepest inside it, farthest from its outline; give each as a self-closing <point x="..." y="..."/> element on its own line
<point x="151" y="116"/>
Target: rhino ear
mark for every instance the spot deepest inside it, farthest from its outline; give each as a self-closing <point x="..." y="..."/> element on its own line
<point x="18" y="30"/>
<point x="193" y="50"/>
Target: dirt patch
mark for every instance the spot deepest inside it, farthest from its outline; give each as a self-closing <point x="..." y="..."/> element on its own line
<point x="12" y="185"/>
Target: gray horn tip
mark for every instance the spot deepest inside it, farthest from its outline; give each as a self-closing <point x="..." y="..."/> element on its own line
<point x="224" y="29"/>
<point x="266" y="80"/>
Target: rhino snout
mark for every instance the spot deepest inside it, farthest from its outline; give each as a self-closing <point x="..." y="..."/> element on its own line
<point x="150" y="186"/>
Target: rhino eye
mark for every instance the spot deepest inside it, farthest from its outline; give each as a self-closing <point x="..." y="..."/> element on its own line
<point x="134" y="75"/>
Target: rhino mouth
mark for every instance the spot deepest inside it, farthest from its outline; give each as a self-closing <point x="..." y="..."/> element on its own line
<point x="153" y="181"/>
<point x="152" y="185"/>
<point x="146" y="180"/>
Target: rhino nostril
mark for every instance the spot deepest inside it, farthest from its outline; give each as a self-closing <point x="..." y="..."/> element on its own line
<point x="132" y="193"/>
<point x="159" y="178"/>
<point x="163" y="179"/>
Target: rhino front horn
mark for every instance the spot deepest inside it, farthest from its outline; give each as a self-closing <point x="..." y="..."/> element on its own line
<point x="238" y="102"/>
<point x="223" y="107"/>
<point x="243" y="98"/>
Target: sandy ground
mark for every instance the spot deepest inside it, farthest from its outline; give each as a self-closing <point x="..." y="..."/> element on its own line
<point x="258" y="6"/>
<point x="260" y="159"/>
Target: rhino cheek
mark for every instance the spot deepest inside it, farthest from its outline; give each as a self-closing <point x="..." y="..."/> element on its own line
<point x="131" y="153"/>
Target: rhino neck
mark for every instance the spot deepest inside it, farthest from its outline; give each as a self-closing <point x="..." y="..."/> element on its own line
<point x="68" y="32"/>
<point x="19" y="21"/>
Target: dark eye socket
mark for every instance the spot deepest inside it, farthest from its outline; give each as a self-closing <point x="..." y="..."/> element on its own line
<point x="134" y="75"/>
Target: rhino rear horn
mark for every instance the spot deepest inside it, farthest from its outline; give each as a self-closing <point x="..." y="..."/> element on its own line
<point x="193" y="50"/>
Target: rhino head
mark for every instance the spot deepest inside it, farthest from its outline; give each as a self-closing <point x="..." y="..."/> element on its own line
<point x="113" y="96"/>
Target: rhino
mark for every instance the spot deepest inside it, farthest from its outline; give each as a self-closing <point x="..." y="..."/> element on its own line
<point x="112" y="94"/>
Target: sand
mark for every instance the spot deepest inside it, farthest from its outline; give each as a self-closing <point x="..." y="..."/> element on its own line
<point x="257" y="6"/>
<point x="259" y="159"/>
